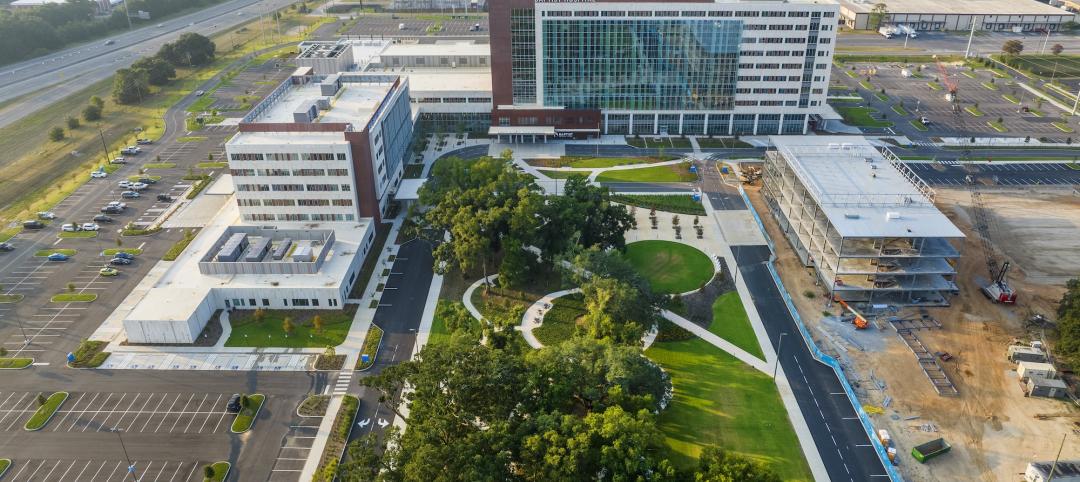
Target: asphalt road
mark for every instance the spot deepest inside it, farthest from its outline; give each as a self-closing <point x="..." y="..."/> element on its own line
<point x="844" y="446"/>
<point x="49" y="78"/>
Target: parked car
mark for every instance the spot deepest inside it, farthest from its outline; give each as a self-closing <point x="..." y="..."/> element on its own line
<point x="58" y="257"/>
<point x="200" y="92"/>
<point x="129" y="194"/>
<point x="107" y="271"/>
<point x="124" y="184"/>
<point x="124" y="255"/>
<point x="101" y="218"/>
<point x="234" y="404"/>
<point x="138" y="186"/>
<point x="120" y="261"/>
<point x="69" y="228"/>
<point x="119" y="204"/>
<point x="112" y="210"/>
<point x="110" y="42"/>
<point x="46" y="215"/>
<point x="33" y="224"/>
<point x="119" y="160"/>
<point x="99" y="174"/>
<point x="142" y="141"/>
<point x="7" y="247"/>
<point x="90" y="227"/>
<point x="147" y="180"/>
<point x="164" y="198"/>
<point x="134" y="150"/>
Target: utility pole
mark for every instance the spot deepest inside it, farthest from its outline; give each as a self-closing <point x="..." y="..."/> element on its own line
<point x="104" y="145"/>
<point x="1045" y="41"/>
<point x="779" y="346"/>
<point x="971" y="35"/>
<point x="1053" y="468"/>
<point x="127" y="13"/>
<point x="131" y="466"/>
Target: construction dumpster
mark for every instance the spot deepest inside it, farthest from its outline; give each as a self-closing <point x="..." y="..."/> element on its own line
<point x="929" y="450"/>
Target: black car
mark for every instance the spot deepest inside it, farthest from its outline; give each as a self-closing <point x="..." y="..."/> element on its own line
<point x="147" y="180"/>
<point x="164" y="198"/>
<point x="33" y="224"/>
<point x="101" y="218"/>
<point x="6" y="247"/>
<point x="124" y="255"/>
<point x="112" y="210"/>
<point x="234" y="404"/>
<point x="120" y="261"/>
<point x="143" y="141"/>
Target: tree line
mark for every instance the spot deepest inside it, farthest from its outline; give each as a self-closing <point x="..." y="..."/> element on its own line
<point x="28" y="33"/>
<point x="132" y="84"/>
<point x="585" y="409"/>
<point x="1068" y="324"/>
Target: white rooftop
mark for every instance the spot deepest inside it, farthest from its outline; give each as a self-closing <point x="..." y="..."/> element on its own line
<point x="354" y="103"/>
<point x="476" y="81"/>
<point x="863" y="193"/>
<point x="439" y="49"/>
<point x="963" y="7"/>
<point x="293" y="138"/>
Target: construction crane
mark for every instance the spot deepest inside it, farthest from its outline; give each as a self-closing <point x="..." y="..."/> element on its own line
<point x="859" y="321"/>
<point x="998" y="289"/>
<point x="951" y="86"/>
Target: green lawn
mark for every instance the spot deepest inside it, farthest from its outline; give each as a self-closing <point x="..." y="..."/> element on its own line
<point x="934" y="85"/>
<point x="90" y="354"/>
<point x="221" y="470"/>
<point x="77" y="234"/>
<point x="916" y="123"/>
<point x="6" y="298"/>
<point x="1063" y="127"/>
<point x="866" y="85"/>
<point x="212" y="165"/>
<point x="1011" y="98"/>
<point x="969" y="74"/>
<point x="15" y="363"/>
<point x="671" y="173"/>
<point x="557" y="174"/>
<point x="731" y="323"/>
<point x="440" y="333"/>
<point x="882" y="97"/>
<point x="372" y="341"/>
<point x="46" y="252"/>
<point x="248" y="332"/>
<point x="73" y="298"/>
<point x="113" y="251"/>
<point x="597" y="162"/>
<point x="561" y="320"/>
<point x="159" y="165"/>
<point x="4" y="465"/>
<point x="46" y="411"/>
<point x="722" y="143"/>
<point x="670" y="267"/>
<point x="720" y="401"/>
<point x="246" y="418"/>
<point x="997" y="126"/>
<point x="177" y="248"/>
<point x="899" y="109"/>
<point x="861" y="117"/>
<point x="680" y="204"/>
<point x="990" y="86"/>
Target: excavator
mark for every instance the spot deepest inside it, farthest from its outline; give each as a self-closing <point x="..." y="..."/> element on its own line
<point x="859" y="321"/>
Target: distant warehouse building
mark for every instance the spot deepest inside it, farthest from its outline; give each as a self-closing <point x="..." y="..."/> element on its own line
<point x="862" y="219"/>
<point x="993" y="15"/>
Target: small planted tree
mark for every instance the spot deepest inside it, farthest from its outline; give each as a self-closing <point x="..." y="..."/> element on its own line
<point x="41" y="399"/>
<point x="317" y="323"/>
<point x="73" y="123"/>
<point x="675" y="220"/>
<point x="259" y="315"/>
<point x="287" y="326"/>
<point x="56" y="134"/>
<point x="208" y="471"/>
<point x="71" y="287"/>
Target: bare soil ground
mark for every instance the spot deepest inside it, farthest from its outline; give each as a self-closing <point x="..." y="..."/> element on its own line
<point x="992" y="427"/>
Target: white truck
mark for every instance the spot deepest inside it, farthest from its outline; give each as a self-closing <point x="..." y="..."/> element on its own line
<point x="907" y="30"/>
<point x="888" y="31"/>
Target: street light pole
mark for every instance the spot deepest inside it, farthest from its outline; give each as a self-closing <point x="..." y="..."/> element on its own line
<point x="131" y="466"/>
<point x="779" y="346"/>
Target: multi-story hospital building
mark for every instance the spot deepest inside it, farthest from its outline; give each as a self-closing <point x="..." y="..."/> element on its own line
<point x="582" y="68"/>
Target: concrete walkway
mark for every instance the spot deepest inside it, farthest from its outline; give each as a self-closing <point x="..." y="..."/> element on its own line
<point x="535" y="315"/>
<point x="467" y="297"/>
<point x="718" y="342"/>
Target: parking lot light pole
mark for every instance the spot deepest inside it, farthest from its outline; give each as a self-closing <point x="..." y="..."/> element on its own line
<point x="130" y="466"/>
<point x="779" y="346"/>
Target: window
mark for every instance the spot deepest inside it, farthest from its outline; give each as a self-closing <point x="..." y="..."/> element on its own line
<point x="342" y="202"/>
<point x="322" y="187"/>
<point x="300" y="302"/>
<point x="313" y="202"/>
<point x="281" y="156"/>
<point x="287" y="187"/>
<point x="266" y="302"/>
<point x="317" y="156"/>
<point x="247" y="157"/>
<point x="242" y="172"/>
<point x="341" y="156"/>
<point x="346" y="187"/>
<point x="314" y="302"/>
<point x="279" y="202"/>
<point x="251" y="302"/>
<point x="309" y="172"/>
<point x="337" y="172"/>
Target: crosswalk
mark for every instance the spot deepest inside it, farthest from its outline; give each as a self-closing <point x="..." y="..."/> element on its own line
<point x="341" y="386"/>
<point x="923" y="144"/>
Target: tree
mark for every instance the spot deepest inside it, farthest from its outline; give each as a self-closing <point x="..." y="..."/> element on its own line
<point x="56" y="134"/>
<point x="245" y="402"/>
<point x="71" y="287"/>
<point x="1068" y="324"/>
<point x="1057" y="49"/>
<point x="719" y="465"/>
<point x="613" y="311"/>
<point x="41" y="400"/>
<point x="516" y="265"/>
<point x="130" y="85"/>
<point x="91" y="113"/>
<point x="259" y="315"/>
<point x="208" y="471"/>
<point x="1012" y="47"/>
<point x="97" y="102"/>
<point x="877" y="15"/>
<point x="287" y="326"/>
<point x="191" y="49"/>
<point x="317" y="323"/>
<point x="158" y="70"/>
<point x="73" y="123"/>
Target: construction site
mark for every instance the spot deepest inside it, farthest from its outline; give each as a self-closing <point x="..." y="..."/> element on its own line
<point x="972" y="373"/>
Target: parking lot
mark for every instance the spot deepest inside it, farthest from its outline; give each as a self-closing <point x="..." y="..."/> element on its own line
<point x="187" y="413"/>
<point x="980" y="89"/>
<point x="295" y="447"/>
<point x="1000" y="174"/>
<point x="60" y="470"/>
<point x="253" y="83"/>
<point x="372" y="26"/>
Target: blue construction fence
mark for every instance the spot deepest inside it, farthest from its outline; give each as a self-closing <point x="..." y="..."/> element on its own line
<point x="864" y="419"/>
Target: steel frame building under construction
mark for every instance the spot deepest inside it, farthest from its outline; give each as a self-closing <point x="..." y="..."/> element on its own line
<point x="862" y="219"/>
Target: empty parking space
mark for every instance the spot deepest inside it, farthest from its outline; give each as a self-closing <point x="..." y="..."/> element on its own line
<point x="49" y="470"/>
<point x="295" y="447"/>
<point x="1001" y="174"/>
<point x="144" y="413"/>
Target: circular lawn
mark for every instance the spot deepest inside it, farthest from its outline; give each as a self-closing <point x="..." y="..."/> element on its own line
<point x="670" y="267"/>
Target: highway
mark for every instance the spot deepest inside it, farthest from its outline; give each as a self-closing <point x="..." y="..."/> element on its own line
<point x="38" y="82"/>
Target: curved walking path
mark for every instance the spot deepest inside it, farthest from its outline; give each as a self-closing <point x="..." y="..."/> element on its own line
<point x="535" y="315"/>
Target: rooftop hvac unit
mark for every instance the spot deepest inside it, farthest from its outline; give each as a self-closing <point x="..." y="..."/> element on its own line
<point x="851" y="216"/>
<point x="892" y="215"/>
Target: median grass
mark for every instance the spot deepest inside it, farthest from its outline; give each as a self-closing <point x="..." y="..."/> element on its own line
<point x="45" y="412"/>
<point x="313" y="406"/>
<point x="916" y="123"/>
<point x="221" y="471"/>
<point x="934" y="85"/>
<point x="266" y="328"/>
<point x="990" y="86"/>
<point x="1063" y="127"/>
<point x="90" y="354"/>
<point x="212" y="165"/>
<point x="159" y="165"/>
<point x="670" y="173"/>
<point x="722" y="143"/>
<point x="670" y="267"/>
<point x="974" y="111"/>
<point x="114" y="251"/>
<point x="136" y="177"/>
<point x="77" y="234"/>
<point x="866" y="85"/>
<point x="192" y="139"/>
<point x="680" y="204"/>
<point x="133" y="231"/>
<point x="372" y="341"/>
<point x="15" y="364"/>
<point x="881" y="96"/>
<point x="969" y="74"/>
<point x="335" y="444"/>
<point x="10" y="298"/>
<point x="179" y="247"/>
<point x="198" y="187"/>
<point x="246" y="417"/>
<point x="861" y="117"/>
<point x="997" y="126"/>
<point x="5" y="464"/>
<point x="46" y="252"/>
<point x="597" y="162"/>
<point x="899" y="109"/>
<point x="731" y="323"/>
<point x="718" y="400"/>
<point x="73" y="298"/>
<point x="1010" y="98"/>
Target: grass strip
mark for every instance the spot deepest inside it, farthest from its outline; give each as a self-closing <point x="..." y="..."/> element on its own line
<point x="220" y="470"/>
<point x="14" y="364"/>
<point x="899" y="109"/>
<point x="722" y="143"/>
<point x="246" y="417"/>
<point x="5" y="464"/>
<point x="861" y="117"/>
<point x="731" y="323"/>
<point x="934" y="85"/>
<point x="177" y="248"/>
<point x="46" y="252"/>
<point x="670" y="173"/>
<point x="198" y="187"/>
<point x="372" y="341"/>
<point x="7" y="298"/>
<point x="89" y="354"/>
<point x="969" y="74"/>
<point x="997" y="126"/>
<point x="866" y="85"/>
<point x="212" y="165"/>
<point x="1010" y="98"/>
<point x="679" y="204"/>
<point x="114" y="251"/>
<point x="73" y="298"/>
<point x="990" y="86"/>
<point x="77" y="234"/>
<point x="335" y="444"/>
<point x="313" y="406"/>
<point x="139" y="231"/>
<point x="46" y="411"/>
<point x="973" y="111"/>
<point x="1063" y="127"/>
<point x="916" y="123"/>
<point x="882" y="97"/>
<point x="159" y="165"/>
<point x="192" y="139"/>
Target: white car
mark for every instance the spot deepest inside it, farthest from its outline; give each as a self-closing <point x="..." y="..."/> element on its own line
<point x="124" y="184"/>
<point x="69" y="228"/>
<point x="99" y="174"/>
<point x="119" y="160"/>
<point x="46" y="215"/>
<point x="138" y="186"/>
<point x="118" y="204"/>
<point x="90" y="227"/>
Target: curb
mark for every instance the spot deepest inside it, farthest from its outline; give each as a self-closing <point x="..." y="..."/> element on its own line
<point x="298" y="414"/>
<point x="253" y="418"/>
<point x="18" y="368"/>
<point x="51" y="415"/>
<point x="376" y="354"/>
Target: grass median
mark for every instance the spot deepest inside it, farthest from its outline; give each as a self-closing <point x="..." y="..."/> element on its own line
<point x="8" y="298"/>
<point x="670" y="173"/>
<point x="73" y="298"/>
<point x="560" y="321"/>
<point x="1063" y="127"/>
<point x="212" y="165"/>
<point x="862" y="117"/>
<point x="249" y="410"/>
<point x="899" y="109"/>
<point x="974" y="111"/>
<point x="916" y="123"/>
<point x="680" y="204"/>
<point x="159" y="165"/>
<point x="115" y="251"/>
<point x="90" y="354"/>
<point x="179" y="247"/>
<point x="372" y="341"/>
<point x="997" y="126"/>
<point x="15" y="363"/>
<point x="77" y="234"/>
<point x="45" y="411"/>
<point x="219" y="471"/>
<point x="5" y="464"/>
<point x="44" y="253"/>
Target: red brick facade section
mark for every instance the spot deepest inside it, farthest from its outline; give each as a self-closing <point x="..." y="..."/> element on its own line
<point x="364" y="173"/>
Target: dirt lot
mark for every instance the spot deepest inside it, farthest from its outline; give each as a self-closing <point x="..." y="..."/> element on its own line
<point x="991" y="426"/>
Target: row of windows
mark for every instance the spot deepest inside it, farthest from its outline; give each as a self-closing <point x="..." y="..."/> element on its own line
<point x="688" y="13"/>
<point x="774" y="40"/>
<point x="282" y="156"/>
<point x="299" y="217"/>
<point x="294" y="202"/>
<point x="769" y="78"/>
<point x="286" y="172"/>
<point x="772" y="53"/>
<point x="451" y="100"/>
<point x="293" y="187"/>
<point x="295" y="302"/>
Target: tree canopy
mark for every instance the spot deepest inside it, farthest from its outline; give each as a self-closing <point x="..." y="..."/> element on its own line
<point x="1068" y="324"/>
<point x="1012" y="47"/>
